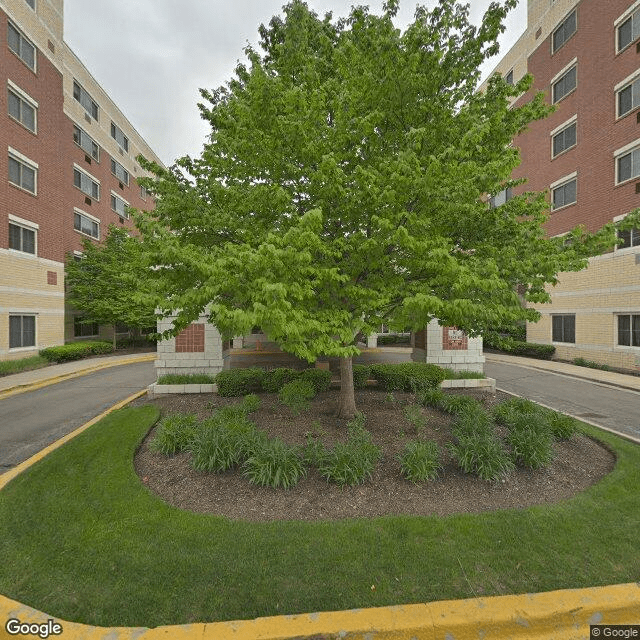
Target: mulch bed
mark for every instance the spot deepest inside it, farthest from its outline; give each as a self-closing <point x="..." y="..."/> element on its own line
<point x="578" y="464"/>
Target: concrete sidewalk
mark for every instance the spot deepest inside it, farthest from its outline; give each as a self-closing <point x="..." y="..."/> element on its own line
<point x="28" y="380"/>
<point x="621" y="380"/>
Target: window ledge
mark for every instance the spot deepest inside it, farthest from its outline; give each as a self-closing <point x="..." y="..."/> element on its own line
<point x="573" y="146"/>
<point x="17" y="186"/>
<point x="86" y="235"/>
<point x="564" y="206"/>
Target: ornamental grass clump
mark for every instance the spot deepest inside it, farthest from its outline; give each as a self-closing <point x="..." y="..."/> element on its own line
<point x="432" y="398"/>
<point x="509" y="410"/>
<point x="296" y="395"/>
<point x="562" y="427"/>
<point x="472" y="421"/>
<point x="351" y="463"/>
<point x="250" y="403"/>
<point x="273" y="463"/>
<point x="531" y="448"/>
<point x="482" y="454"/>
<point x="420" y="461"/>
<point x="456" y="403"/>
<point x="175" y="434"/>
<point x="414" y="415"/>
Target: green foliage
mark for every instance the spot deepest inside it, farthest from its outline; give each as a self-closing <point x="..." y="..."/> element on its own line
<point x="432" y="398"/>
<point x="186" y="378"/>
<point x="473" y="421"/>
<point x="319" y="378"/>
<point x="76" y="351"/>
<point x="581" y="362"/>
<point x="420" y="461"/>
<point x="407" y="376"/>
<point x="239" y="382"/>
<point x="361" y="373"/>
<point x="250" y="403"/>
<point x="414" y="415"/>
<point x="456" y="403"/>
<point x="8" y="367"/>
<point x="275" y="379"/>
<point x="531" y="447"/>
<point x="297" y="394"/>
<point x="273" y="463"/>
<point x="314" y="450"/>
<point x="352" y="462"/>
<point x="562" y="426"/>
<point x="519" y="348"/>
<point x="463" y="375"/>
<point x="481" y="453"/>
<point x="393" y="339"/>
<point x="510" y="410"/>
<point x="175" y="434"/>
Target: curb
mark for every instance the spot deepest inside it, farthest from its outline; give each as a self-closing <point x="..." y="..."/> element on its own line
<point x="562" y="615"/>
<point x="32" y="386"/>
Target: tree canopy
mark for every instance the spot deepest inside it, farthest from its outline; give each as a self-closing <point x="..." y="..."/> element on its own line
<point x="344" y="185"/>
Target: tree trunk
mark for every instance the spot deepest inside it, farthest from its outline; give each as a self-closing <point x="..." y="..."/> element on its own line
<point x="346" y="399"/>
<point x="114" y="337"/>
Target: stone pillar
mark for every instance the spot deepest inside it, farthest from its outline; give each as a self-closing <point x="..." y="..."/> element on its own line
<point x="372" y="341"/>
<point x="238" y="342"/>
<point x="197" y="349"/>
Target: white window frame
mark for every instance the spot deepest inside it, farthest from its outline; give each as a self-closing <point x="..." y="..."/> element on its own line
<point x="22" y="159"/>
<point x="23" y="37"/>
<point x="633" y="248"/>
<point x="621" y="86"/>
<point x="116" y="132"/>
<point x="32" y="4"/>
<point x="563" y="72"/>
<point x="126" y="204"/>
<point x="619" y="153"/>
<point x="35" y="331"/>
<point x="559" y="129"/>
<point x="560" y="25"/>
<point x="114" y="168"/>
<point x="618" y="22"/>
<point x="79" y="144"/>
<point x="88" y="175"/>
<point x="26" y="224"/>
<point x="88" y="97"/>
<point x="84" y="214"/>
<point x="561" y="183"/>
<point x="25" y="97"/>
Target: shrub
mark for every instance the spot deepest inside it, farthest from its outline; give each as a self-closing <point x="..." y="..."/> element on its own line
<point x="393" y="339"/>
<point x="450" y="374"/>
<point x="520" y="348"/>
<point x="509" y="411"/>
<point x="239" y="382"/>
<point x="456" y="403"/>
<point x="414" y="415"/>
<point x="432" y="398"/>
<point x="562" y="427"/>
<point x="175" y="434"/>
<point x="481" y="454"/>
<point x="420" y="461"/>
<point x="296" y="395"/>
<point x="407" y="376"/>
<point x="352" y="462"/>
<point x="531" y="448"/>
<point x="319" y="378"/>
<point x="361" y="373"/>
<point x="186" y="378"/>
<point x="472" y="421"/>
<point x="581" y="362"/>
<point x="274" y="464"/>
<point x="275" y="379"/>
<point x="76" y="351"/>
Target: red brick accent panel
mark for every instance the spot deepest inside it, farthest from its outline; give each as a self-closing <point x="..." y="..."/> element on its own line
<point x="453" y="338"/>
<point x="421" y="339"/>
<point x="52" y="277"/>
<point x="191" y="340"/>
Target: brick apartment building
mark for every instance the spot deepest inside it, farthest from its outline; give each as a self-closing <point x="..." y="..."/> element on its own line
<point x="585" y="55"/>
<point x="68" y="171"/>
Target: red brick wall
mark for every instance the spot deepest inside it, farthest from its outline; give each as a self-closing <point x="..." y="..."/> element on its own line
<point x="191" y="339"/>
<point x="598" y="133"/>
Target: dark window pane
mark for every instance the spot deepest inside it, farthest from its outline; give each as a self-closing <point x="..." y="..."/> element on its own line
<point x="28" y="116"/>
<point x="624" y="330"/>
<point x="570" y="136"/>
<point x="635" y="331"/>
<point x="625" y="34"/>
<point x="13" y="37"/>
<point x="28" y="179"/>
<point x="15" y="237"/>
<point x="28" y="54"/>
<point x="14" y="106"/>
<point x="28" y="241"/>
<point x="28" y="331"/>
<point x="624" y="167"/>
<point x="570" y="192"/>
<point x="569" y="328"/>
<point x="14" y="171"/>
<point x="625" y="103"/>
<point x="556" y="328"/>
<point x="15" y="331"/>
<point x="624" y="240"/>
<point x="77" y="179"/>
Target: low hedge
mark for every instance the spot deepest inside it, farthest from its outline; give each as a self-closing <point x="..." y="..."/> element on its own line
<point x="361" y="373"/>
<point x="76" y="351"/>
<point x="239" y="382"/>
<point x="520" y="348"/>
<point x="407" y="376"/>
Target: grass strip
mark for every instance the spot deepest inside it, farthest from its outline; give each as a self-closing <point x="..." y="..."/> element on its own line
<point x="8" y="367"/>
<point x="83" y="539"/>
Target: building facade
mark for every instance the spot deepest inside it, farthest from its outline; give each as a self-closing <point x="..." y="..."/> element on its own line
<point x="67" y="171"/>
<point x="585" y="56"/>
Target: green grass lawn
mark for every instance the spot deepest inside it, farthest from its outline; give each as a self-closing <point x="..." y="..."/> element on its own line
<point x="82" y="539"/>
<point x="8" y="367"/>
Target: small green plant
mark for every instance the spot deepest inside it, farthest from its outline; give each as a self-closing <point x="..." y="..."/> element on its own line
<point x="532" y="448"/>
<point x="456" y="403"/>
<point x="275" y="464"/>
<point x="472" y="421"/>
<point x="582" y="362"/>
<point x="320" y="379"/>
<point x="562" y="427"/>
<point x="239" y="382"/>
<point x="186" y="378"/>
<point x="275" y="379"/>
<point x="175" y="434"/>
<point x="389" y="398"/>
<point x="432" y="398"/>
<point x="420" y="461"/>
<point x="250" y="403"/>
<point x="508" y="411"/>
<point x="414" y="415"/>
<point x="296" y="395"/>
<point x="481" y="454"/>
<point x="314" y="450"/>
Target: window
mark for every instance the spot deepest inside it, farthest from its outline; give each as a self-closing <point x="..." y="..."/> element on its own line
<point x="23" y="172"/>
<point x="86" y="142"/>
<point x="509" y="77"/>
<point x="31" y="3"/>
<point x="566" y="29"/>
<point x="22" y="331"/>
<point x="143" y="193"/>
<point x="84" y="329"/>
<point x="119" y="205"/>
<point x="564" y="194"/>
<point x="22" y="47"/>
<point x="629" y="30"/>
<point x="628" y="165"/>
<point x="500" y="198"/>
<point x="119" y="137"/>
<point x="119" y="172"/>
<point x="563" y="328"/>
<point x="22" y="108"/>
<point x="628" y="238"/>
<point x="629" y="97"/>
<point x="563" y="140"/>
<point x="84" y="223"/>
<point x="86" y="183"/>
<point x="565" y="84"/>
<point x="22" y="238"/>
<point x="629" y="330"/>
<point x="83" y="97"/>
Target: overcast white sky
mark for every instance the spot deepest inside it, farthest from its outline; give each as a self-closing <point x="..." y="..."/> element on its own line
<point x="152" y="56"/>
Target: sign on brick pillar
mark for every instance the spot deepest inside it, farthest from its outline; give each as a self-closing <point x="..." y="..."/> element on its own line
<point x="191" y="339"/>
<point x="453" y="339"/>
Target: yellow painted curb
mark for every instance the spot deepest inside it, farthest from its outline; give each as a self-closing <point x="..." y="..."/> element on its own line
<point x="557" y="615"/>
<point x="74" y="374"/>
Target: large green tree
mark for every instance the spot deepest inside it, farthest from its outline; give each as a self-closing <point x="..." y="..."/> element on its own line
<point x="109" y="283"/>
<point x="345" y="182"/>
